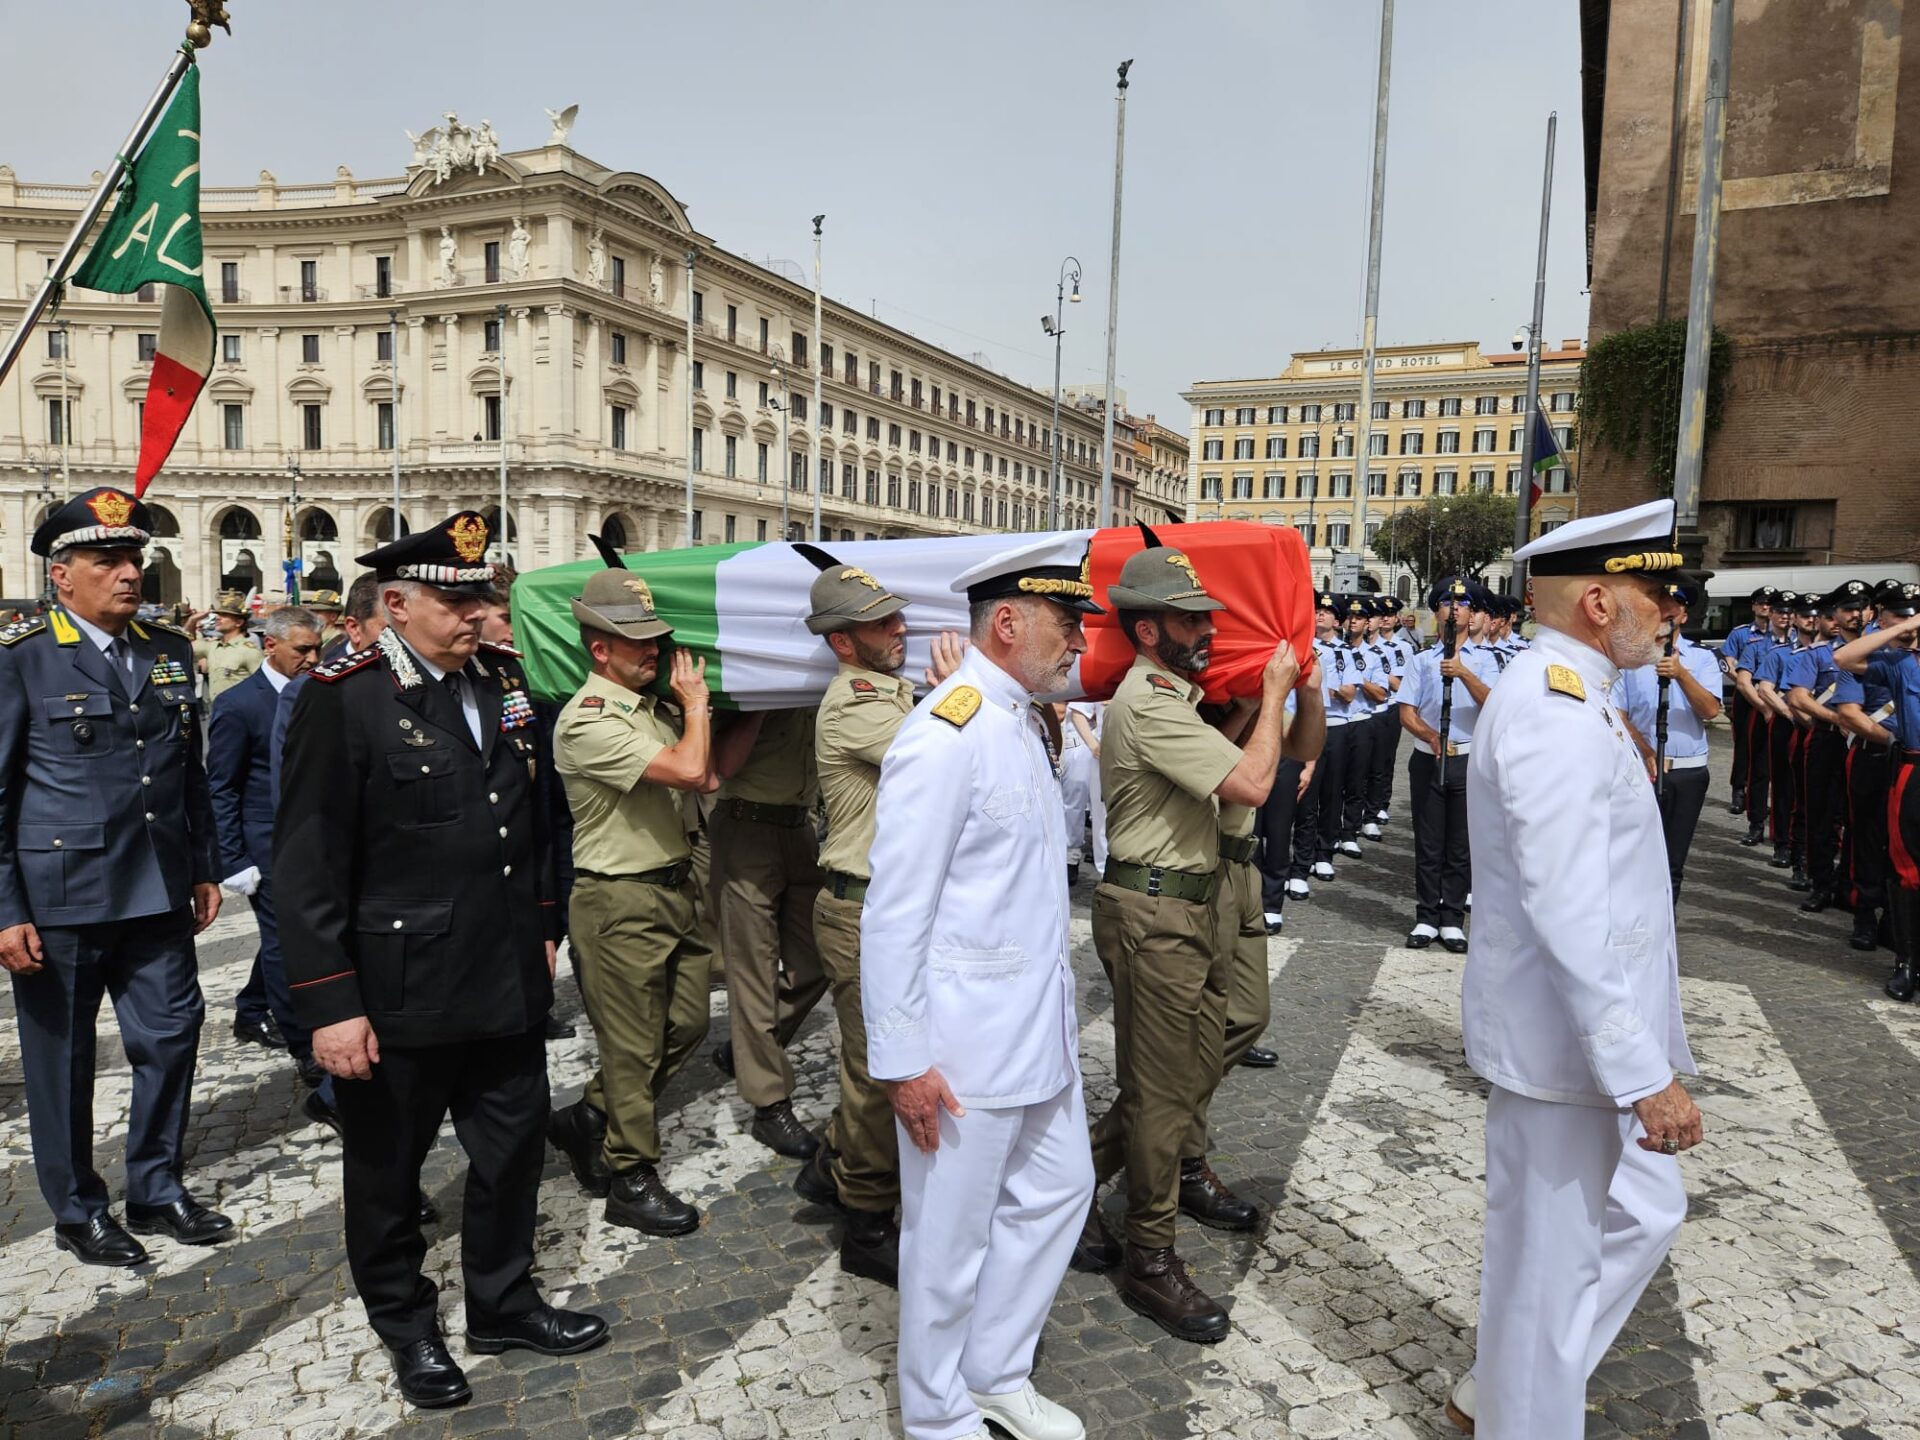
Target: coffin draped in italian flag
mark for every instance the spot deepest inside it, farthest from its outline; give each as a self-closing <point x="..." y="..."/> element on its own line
<point x="744" y="607"/>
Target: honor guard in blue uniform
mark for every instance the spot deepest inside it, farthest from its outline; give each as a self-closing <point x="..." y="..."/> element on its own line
<point x="1337" y="686"/>
<point x="108" y="872"/>
<point x="1444" y="687"/>
<point x="1812" y="684"/>
<point x="1863" y="709"/>
<point x="1368" y="678"/>
<point x="1386" y="721"/>
<point x="415" y="896"/>
<point x="1739" y="713"/>
<point x="1693" y="693"/>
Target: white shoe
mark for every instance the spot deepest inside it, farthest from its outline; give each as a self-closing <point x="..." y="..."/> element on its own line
<point x="1384" y="816"/>
<point x="1299" y="889"/>
<point x="1026" y="1414"/>
<point x="1461" y="1402"/>
<point x="1349" y="847"/>
<point x="1274" y="917"/>
<point x="1370" y="831"/>
<point x="1469" y="899"/>
<point x="1322" y="870"/>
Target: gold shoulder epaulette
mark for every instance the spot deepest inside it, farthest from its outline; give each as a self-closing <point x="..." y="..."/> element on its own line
<point x="356" y="660"/>
<point x="961" y="704"/>
<point x="21" y="629"/>
<point x="1566" y="681"/>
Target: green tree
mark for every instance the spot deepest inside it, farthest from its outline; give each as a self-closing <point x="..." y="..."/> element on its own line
<point x="1449" y="535"/>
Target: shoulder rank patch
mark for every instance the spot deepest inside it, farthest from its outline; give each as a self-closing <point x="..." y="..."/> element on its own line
<point x="960" y="706"/>
<point x="594" y="702"/>
<point x="863" y="688"/>
<point x="1161" y="682"/>
<point x="21" y="629"/>
<point x="334" y="669"/>
<point x="1565" y="680"/>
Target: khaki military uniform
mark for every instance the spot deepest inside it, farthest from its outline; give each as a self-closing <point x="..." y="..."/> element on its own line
<point x="637" y="948"/>
<point x="229" y="660"/>
<point x="1240" y="926"/>
<point x="1160" y="764"/>
<point x="857" y="721"/>
<point x="766" y="873"/>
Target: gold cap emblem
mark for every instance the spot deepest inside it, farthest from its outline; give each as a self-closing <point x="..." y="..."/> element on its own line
<point x="854" y="572"/>
<point x="1187" y="565"/>
<point x="110" y="507"/>
<point x="639" y="587"/>
<point x="469" y="535"/>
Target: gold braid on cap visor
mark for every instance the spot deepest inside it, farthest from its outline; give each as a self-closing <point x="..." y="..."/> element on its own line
<point x="1032" y="585"/>
<point x="1646" y="560"/>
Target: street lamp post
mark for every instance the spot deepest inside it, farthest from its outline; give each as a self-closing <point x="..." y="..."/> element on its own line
<point x="1313" y="490"/>
<point x="782" y="403"/>
<point x="66" y="407"/>
<point x="1054" y="325"/>
<point x="292" y="566"/>
<point x="505" y="525"/>
<point x="45" y="466"/>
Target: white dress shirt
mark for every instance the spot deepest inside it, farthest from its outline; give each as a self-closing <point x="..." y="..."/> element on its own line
<point x="963" y="938"/>
<point x="1572" y="985"/>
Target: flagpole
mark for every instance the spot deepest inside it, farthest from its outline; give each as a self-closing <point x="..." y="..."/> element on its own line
<point x="56" y="277"/>
<point x="1523" y="501"/>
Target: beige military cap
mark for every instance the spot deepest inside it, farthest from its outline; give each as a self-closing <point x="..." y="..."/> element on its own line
<point x="618" y="602"/>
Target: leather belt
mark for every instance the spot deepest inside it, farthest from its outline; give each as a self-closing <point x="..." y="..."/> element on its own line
<point x="669" y="876"/>
<point x="846" y="887"/>
<point x="1239" y="848"/>
<point x="1686" y="762"/>
<point x="1157" y="880"/>
<point x="787" y="817"/>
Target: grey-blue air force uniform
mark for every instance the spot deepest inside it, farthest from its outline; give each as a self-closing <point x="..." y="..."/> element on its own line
<point x="106" y="826"/>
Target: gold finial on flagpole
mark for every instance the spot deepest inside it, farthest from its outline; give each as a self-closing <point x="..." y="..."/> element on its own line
<point x="206" y="15"/>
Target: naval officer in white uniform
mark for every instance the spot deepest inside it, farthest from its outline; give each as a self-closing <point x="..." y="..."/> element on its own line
<point x="1570" y="1005"/>
<point x="969" y="1001"/>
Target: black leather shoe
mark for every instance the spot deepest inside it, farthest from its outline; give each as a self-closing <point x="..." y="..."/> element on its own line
<point x="427" y="1376"/>
<point x="1753" y="837"/>
<point x="1866" y="929"/>
<point x="1815" y="902"/>
<point x="185" y="1220"/>
<point x="779" y="1129"/>
<point x="310" y="1072"/>
<point x="427" y="1212"/>
<point x="1900" y="984"/>
<point x="578" y="1132"/>
<point x="100" y="1241"/>
<point x="263" y="1031"/>
<point x="1416" y="941"/>
<point x="870" y="1247"/>
<point x="723" y="1058"/>
<point x="1205" y="1197"/>
<point x="315" y="1107"/>
<point x="814" y="1183"/>
<point x="1738" y="805"/>
<point x="1095" y="1250"/>
<point x="1259" y="1059"/>
<point x="1073" y="876"/>
<point x="543" y="1328"/>
<point x="1455" y="944"/>
<point x="1781" y="859"/>
<point x="1798" y="880"/>
<point x="639" y="1200"/>
<point x="558" y="1029"/>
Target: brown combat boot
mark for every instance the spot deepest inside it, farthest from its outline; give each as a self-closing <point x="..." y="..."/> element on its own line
<point x="1095" y="1250"/>
<point x="1205" y="1197"/>
<point x="1155" y="1283"/>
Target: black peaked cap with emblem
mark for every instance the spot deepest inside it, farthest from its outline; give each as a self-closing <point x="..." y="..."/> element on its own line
<point x="102" y="519"/>
<point x="1054" y="568"/>
<point x="1847" y="593"/>
<point x="1454" y="590"/>
<point x="451" y="555"/>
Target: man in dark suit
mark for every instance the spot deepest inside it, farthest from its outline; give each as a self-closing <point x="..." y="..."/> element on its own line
<point x="415" y="888"/>
<point x="107" y="872"/>
<point x="239" y="774"/>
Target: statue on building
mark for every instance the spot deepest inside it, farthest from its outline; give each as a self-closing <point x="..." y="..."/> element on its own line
<point x="449" y="275"/>
<point x="597" y="259"/>
<point x="657" y="281"/>
<point x="452" y="146"/>
<point x="486" y="147"/>
<point x="519" y="244"/>
<point x="562" y="124"/>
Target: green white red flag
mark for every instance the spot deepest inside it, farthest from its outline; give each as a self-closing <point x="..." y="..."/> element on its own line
<point x="153" y="238"/>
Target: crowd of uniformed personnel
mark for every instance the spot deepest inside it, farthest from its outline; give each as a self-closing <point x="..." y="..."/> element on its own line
<point x="418" y="837"/>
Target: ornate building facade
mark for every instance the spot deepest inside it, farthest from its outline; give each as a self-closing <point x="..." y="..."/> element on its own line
<point x="364" y="321"/>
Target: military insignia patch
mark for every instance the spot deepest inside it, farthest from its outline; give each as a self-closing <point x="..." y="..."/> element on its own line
<point x="1565" y="680"/>
<point x="640" y="588"/>
<point x="168" y="671"/>
<point x="469" y="538"/>
<point x="112" y="508"/>
<point x="358" y="660"/>
<point x="1161" y="682"/>
<point x="854" y="572"/>
<point x="863" y="687"/>
<point x="21" y="629"/>
<point x="516" y="711"/>
<point x="1181" y="562"/>
<point x="961" y="704"/>
<point x="594" y="702"/>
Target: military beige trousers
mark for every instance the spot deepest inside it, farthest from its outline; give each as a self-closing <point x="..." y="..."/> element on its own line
<point x="642" y="968"/>
<point x="765" y="878"/>
<point x="1169" y="981"/>
<point x="1241" y="928"/>
<point x="866" y="1164"/>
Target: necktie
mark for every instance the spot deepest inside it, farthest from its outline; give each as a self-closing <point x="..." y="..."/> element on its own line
<point x="122" y="654"/>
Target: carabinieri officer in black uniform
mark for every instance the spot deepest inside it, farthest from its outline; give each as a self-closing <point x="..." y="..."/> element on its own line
<point x="415" y="894"/>
<point x="107" y="872"/>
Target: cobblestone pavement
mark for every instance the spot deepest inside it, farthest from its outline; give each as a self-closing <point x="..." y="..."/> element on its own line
<point x="1790" y="1306"/>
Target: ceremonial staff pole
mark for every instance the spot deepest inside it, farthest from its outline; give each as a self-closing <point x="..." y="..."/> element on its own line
<point x="1113" y="299"/>
<point x="819" y="480"/>
<point x="1523" y="501"/>
<point x="199" y="35"/>
<point x="1376" y="216"/>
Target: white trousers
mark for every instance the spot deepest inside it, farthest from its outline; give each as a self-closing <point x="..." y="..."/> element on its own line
<point x="1578" y="1219"/>
<point x="1080" y="786"/>
<point x="987" y="1225"/>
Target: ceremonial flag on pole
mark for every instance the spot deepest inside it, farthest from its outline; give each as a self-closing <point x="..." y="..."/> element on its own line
<point x="744" y="608"/>
<point x="1546" y="454"/>
<point x="153" y="238"/>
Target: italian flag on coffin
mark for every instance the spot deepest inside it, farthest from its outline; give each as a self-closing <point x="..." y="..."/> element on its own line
<point x="744" y="608"/>
<point x="154" y="239"/>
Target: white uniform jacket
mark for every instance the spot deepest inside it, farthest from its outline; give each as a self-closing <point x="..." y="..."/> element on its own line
<point x="964" y="959"/>
<point x="1572" y="986"/>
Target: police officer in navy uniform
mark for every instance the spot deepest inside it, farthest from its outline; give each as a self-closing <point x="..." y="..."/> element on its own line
<point x="108" y="870"/>
<point x="415" y="895"/>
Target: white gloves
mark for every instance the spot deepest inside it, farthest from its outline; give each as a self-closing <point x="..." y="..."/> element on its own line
<point x="244" y="883"/>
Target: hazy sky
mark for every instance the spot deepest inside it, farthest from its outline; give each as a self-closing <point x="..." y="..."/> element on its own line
<point x="959" y="150"/>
